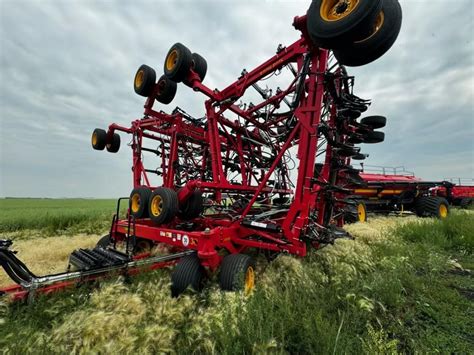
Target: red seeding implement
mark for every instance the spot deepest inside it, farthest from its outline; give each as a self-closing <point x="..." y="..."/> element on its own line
<point x="458" y="191"/>
<point x="264" y="169"/>
<point x="386" y="189"/>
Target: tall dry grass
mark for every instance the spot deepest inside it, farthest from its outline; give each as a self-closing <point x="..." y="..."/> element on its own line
<point x="48" y="255"/>
<point x="388" y="291"/>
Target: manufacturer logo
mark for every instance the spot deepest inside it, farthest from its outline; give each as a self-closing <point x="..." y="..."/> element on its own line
<point x="185" y="240"/>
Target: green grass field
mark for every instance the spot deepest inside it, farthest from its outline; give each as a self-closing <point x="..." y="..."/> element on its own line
<point x="403" y="286"/>
<point x="55" y="216"/>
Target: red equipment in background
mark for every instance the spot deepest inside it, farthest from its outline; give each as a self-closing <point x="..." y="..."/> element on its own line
<point x="458" y="191"/>
<point x="387" y="189"/>
<point x="224" y="183"/>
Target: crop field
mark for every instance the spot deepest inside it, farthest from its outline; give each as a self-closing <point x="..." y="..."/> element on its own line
<point x="26" y="217"/>
<point x="403" y="285"/>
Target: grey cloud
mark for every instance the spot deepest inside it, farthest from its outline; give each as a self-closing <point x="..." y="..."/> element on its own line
<point x="67" y="67"/>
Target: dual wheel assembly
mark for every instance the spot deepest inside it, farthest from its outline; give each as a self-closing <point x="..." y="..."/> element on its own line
<point x="237" y="273"/>
<point x="358" y="31"/>
<point x="162" y="205"/>
<point x="366" y="133"/>
<point x="180" y="62"/>
<point x="101" y="139"/>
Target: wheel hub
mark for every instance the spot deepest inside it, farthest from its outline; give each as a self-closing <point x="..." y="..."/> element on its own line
<point x="361" y="212"/>
<point x="135" y="203"/>
<point x="172" y="60"/>
<point x="156" y="206"/>
<point x="139" y="79"/>
<point x="249" y="280"/>
<point x="341" y="7"/>
<point x="335" y="10"/>
<point x="443" y="211"/>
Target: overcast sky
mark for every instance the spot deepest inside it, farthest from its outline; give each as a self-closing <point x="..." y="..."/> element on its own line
<point x="67" y="67"/>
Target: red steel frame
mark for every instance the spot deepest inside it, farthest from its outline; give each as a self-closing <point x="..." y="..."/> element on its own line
<point x="18" y="292"/>
<point x="212" y="233"/>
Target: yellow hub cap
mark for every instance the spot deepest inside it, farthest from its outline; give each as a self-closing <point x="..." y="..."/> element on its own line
<point x="156" y="205"/>
<point x="377" y="26"/>
<point x="249" y="280"/>
<point x="361" y="212"/>
<point x="135" y="203"/>
<point x="171" y="60"/>
<point x="139" y="78"/>
<point x="94" y="138"/>
<point x="443" y="211"/>
<point x="335" y="10"/>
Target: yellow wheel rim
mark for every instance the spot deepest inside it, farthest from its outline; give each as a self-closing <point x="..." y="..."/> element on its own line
<point x="156" y="205"/>
<point x="249" y="280"/>
<point x="135" y="203"/>
<point x="94" y="138"/>
<point x="335" y="10"/>
<point x="139" y="78"/>
<point x="377" y="26"/>
<point x="361" y="212"/>
<point x="443" y="211"/>
<point x="171" y="60"/>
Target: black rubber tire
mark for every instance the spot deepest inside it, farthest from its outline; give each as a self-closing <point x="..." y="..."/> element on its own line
<point x="374" y="137"/>
<point x="188" y="272"/>
<point x="351" y="212"/>
<point x="168" y="205"/>
<point x="335" y="33"/>
<point x="466" y="203"/>
<point x="144" y="81"/>
<point x="113" y="146"/>
<point x="233" y="270"/>
<point x="374" y="122"/>
<point x="376" y="45"/>
<point x="99" y="139"/>
<point x="104" y="242"/>
<point x="178" y="62"/>
<point x="192" y="207"/>
<point x="166" y="90"/>
<point x="350" y="114"/>
<point x="346" y="152"/>
<point x="430" y="206"/>
<point x="199" y="65"/>
<point x="141" y="193"/>
<point x="355" y="140"/>
<point x="359" y="156"/>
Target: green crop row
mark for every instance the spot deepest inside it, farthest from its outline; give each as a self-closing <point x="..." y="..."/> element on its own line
<point x="55" y="216"/>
